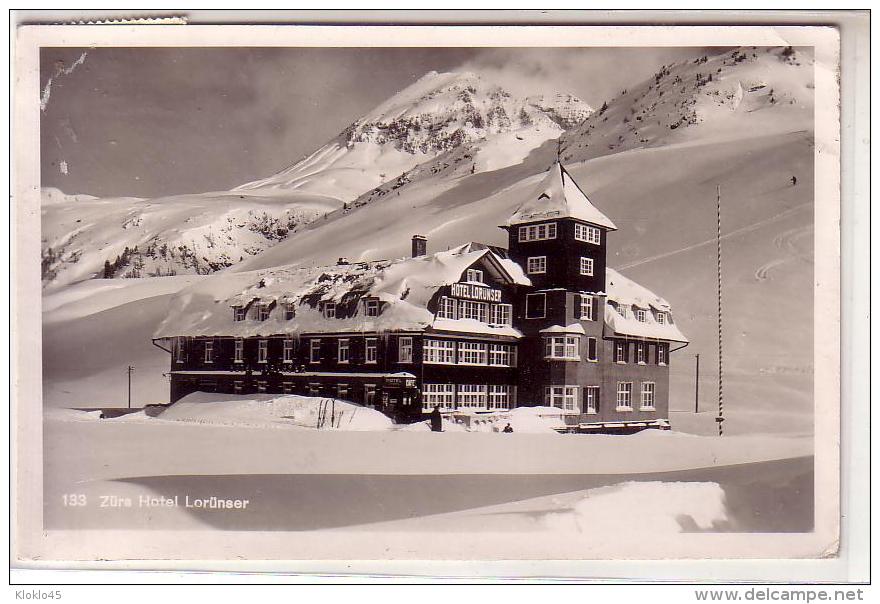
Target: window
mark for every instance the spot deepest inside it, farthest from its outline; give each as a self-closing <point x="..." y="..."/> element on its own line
<point x="502" y="355"/>
<point x="587" y="266"/>
<point x="561" y="397"/>
<point x="440" y="351"/>
<point x="501" y="314"/>
<point x="661" y="354"/>
<point x="405" y="349"/>
<point x="315" y="350"/>
<point x="287" y="351"/>
<point x="342" y="391"/>
<point x="500" y="396"/>
<point x="238" y="351"/>
<point x="591" y="399"/>
<point x="592" y="349"/>
<point x="647" y="396"/>
<point x="661" y="317"/>
<point x="536" y="265"/>
<point x="329" y="310"/>
<point x="640" y="353"/>
<point x="586" y="233"/>
<point x="209" y="351"/>
<point x="621" y="310"/>
<point x="342" y="354"/>
<point x="262" y="386"/>
<point x="624" y="396"/>
<point x="263" y="351"/>
<point x="370" y="350"/>
<point x="587" y="308"/>
<point x="620" y="352"/>
<point x="180" y="346"/>
<point x="562" y="347"/>
<point x="314" y="388"/>
<point x="446" y="309"/>
<point x="289" y="311"/>
<point x="537" y="232"/>
<point x="239" y="313"/>
<point x="640" y="315"/>
<point x="536" y="306"/>
<point x="263" y="312"/>
<point x="370" y="395"/>
<point x="473" y="310"/>
<point x="237" y="386"/>
<point x="474" y="275"/>
<point x="371" y="307"/>
<point x="438" y="395"/>
<point x="471" y="396"/>
<point x="471" y="353"/>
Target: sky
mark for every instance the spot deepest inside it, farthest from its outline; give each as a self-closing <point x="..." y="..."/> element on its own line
<point x="151" y="122"/>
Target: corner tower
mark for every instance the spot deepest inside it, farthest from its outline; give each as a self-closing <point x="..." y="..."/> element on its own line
<point x="558" y="236"/>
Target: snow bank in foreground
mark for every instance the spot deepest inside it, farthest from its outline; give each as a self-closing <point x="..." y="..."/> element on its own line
<point x="269" y="409"/>
<point x="530" y="420"/>
<point x="647" y="508"/>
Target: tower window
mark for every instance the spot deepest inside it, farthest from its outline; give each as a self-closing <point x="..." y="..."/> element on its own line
<point x="587" y="266"/>
<point x="590" y="234"/>
<point x="537" y="232"/>
<point x="536" y="306"/>
<point x="536" y="265"/>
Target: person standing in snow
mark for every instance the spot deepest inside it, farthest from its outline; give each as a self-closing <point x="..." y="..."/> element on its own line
<point x="793" y="180"/>
<point x="436" y="420"/>
<point x="508" y="429"/>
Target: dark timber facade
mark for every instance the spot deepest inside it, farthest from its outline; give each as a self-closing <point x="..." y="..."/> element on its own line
<point x="544" y="322"/>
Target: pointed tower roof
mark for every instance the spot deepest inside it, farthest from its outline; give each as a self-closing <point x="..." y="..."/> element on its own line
<point x="558" y="196"/>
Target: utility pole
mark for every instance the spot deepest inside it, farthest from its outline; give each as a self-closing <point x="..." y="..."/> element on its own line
<point x="697" y="387"/>
<point x="720" y="418"/>
<point x="130" y="369"/>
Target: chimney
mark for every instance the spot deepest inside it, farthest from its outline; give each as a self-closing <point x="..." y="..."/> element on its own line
<point x="419" y="246"/>
<point x="342" y="261"/>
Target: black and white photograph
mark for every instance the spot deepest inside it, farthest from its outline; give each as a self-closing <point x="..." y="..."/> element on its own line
<point x="429" y="298"/>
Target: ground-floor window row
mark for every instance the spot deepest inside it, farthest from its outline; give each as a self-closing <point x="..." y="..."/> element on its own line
<point x="469" y="397"/>
<point x="586" y="399"/>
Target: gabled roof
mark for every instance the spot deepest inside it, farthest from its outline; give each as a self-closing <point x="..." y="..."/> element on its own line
<point x="558" y="196"/>
<point x="405" y="286"/>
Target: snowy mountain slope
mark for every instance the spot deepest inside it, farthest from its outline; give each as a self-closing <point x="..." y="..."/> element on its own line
<point x="768" y="89"/>
<point x="187" y="234"/>
<point x="437" y="113"/>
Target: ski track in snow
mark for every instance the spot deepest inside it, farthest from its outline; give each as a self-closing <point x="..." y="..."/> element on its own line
<point x="746" y="229"/>
<point x="784" y="241"/>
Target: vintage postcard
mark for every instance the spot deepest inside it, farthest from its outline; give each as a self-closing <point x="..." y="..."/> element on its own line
<point x="425" y="293"/>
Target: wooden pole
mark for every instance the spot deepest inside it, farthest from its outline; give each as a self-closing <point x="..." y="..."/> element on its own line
<point x="130" y="369"/>
<point x="697" y="388"/>
<point x="720" y="418"/>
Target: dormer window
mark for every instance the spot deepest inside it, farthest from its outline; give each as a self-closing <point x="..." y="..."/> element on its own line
<point x="621" y="310"/>
<point x="263" y="312"/>
<point x="661" y="317"/>
<point x="329" y="310"/>
<point x="590" y="234"/>
<point x="289" y="311"/>
<point x="371" y="307"/>
<point x="447" y="308"/>
<point x="640" y="315"/>
<point x="474" y="275"/>
<point x="239" y="313"/>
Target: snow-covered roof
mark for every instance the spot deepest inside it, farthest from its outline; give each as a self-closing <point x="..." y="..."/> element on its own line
<point x="573" y="328"/>
<point x="558" y="196"/>
<point x="405" y="286"/>
<point x="626" y="292"/>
